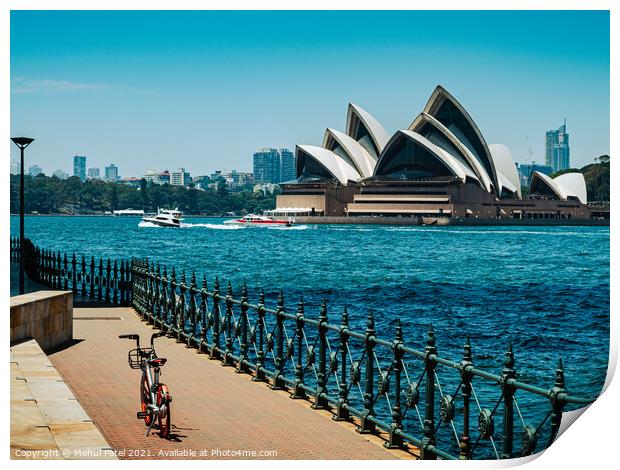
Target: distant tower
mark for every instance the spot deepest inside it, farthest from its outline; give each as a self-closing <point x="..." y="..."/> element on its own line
<point x="557" y="149"/>
<point x="79" y="166"/>
<point x="111" y="173"/>
<point x="274" y="166"/>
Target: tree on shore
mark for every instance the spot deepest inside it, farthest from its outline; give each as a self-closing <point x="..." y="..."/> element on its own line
<point x="51" y="195"/>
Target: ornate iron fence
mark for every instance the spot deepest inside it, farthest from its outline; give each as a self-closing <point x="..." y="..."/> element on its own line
<point x="106" y="281"/>
<point x="412" y="396"/>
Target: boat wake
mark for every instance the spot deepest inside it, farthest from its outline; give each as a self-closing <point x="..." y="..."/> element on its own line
<point x="226" y="227"/>
<point x="284" y="227"/>
<point x="147" y="224"/>
<point x="214" y="226"/>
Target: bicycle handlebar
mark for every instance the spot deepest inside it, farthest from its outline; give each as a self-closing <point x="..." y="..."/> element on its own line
<point x="137" y="337"/>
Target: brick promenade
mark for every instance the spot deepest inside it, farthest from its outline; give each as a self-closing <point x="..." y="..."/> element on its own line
<point x="214" y="410"/>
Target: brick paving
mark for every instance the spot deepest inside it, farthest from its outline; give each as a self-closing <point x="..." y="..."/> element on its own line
<point x="214" y="410"/>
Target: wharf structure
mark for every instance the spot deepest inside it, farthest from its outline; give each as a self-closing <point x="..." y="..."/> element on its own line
<point x="440" y="167"/>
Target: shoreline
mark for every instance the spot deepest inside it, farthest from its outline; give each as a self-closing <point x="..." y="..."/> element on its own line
<point x="419" y="221"/>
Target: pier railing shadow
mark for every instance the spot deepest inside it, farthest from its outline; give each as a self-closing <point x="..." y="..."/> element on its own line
<point x="445" y="408"/>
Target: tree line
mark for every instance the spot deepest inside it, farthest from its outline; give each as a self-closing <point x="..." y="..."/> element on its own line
<point x="51" y="195"/>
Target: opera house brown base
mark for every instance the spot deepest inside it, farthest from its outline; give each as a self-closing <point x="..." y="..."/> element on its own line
<point x="434" y="197"/>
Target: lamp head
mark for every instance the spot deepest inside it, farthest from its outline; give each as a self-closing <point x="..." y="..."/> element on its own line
<point x="22" y="142"/>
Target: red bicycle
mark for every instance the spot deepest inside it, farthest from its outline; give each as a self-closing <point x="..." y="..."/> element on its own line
<point x="154" y="396"/>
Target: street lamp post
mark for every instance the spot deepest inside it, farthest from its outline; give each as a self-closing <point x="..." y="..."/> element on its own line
<point x="22" y="143"/>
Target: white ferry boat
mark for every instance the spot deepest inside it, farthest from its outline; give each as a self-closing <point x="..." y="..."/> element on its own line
<point x="259" y="220"/>
<point x="128" y="212"/>
<point x="166" y="218"/>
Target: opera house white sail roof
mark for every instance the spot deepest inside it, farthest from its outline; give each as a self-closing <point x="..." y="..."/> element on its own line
<point x="442" y="141"/>
<point x="565" y="186"/>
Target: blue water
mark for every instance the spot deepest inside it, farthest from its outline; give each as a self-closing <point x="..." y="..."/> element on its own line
<point x="546" y="289"/>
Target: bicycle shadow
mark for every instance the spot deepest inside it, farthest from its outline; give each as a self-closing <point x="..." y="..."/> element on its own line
<point x="175" y="436"/>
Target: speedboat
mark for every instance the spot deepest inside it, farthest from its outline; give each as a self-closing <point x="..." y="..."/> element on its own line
<point x="166" y="218"/>
<point x="259" y="220"/>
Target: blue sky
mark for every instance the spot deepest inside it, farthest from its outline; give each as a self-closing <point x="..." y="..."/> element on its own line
<point x="204" y="90"/>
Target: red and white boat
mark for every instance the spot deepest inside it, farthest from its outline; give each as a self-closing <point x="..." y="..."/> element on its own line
<point x="259" y="220"/>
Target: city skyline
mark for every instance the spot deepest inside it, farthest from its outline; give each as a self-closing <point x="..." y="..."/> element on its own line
<point x="138" y="113"/>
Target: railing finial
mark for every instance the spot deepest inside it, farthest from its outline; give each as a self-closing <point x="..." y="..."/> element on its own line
<point x="430" y="336"/>
<point x="370" y="323"/>
<point x="398" y="337"/>
<point x="559" y="374"/>
<point x="323" y="314"/>
<point x="509" y="361"/>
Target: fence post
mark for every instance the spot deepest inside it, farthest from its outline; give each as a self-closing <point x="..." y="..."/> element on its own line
<point x="557" y="401"/>
<point x="215" y="315"/>
<point x="227" y="361"/>
<point x="260" y="355"/>
<point x="191" y="310"/>
<point x="466" y="365"/>
<point x="278" y="384"/>
<point x="243" y="327"/>
<point x="320" y="402"/>
<point x="203" y="314"/>
<point x="395" y="439"/>
<point x="108" y="271"/>
<point x="92" y="277"/>
<point x="298" y="392"/>
<point x="172" y="300"/>
<point x="342" y="412"/>
<point x="83" y="276"/>
<point x="115" y="284"/>
<point x="74" y="275"/>
<point x="65" y="263"/>
<point x="180" y="323"/>
<point x="123" y="282"/>
<point x="366" y="425"/>
<point x="164" y="300"/>
<point x="53" y="269"/>
<point x="100" y="281"/>
<point x="429" y="410"/>
<point x="508" y="391"/>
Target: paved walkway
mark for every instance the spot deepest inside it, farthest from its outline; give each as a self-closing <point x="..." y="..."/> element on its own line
<point x="215" y="412"/>
<point x="47" y="422"/>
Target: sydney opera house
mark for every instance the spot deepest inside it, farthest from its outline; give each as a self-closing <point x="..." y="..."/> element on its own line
<point x="438" y="167"/>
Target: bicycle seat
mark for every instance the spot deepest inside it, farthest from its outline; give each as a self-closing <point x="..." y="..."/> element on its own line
<point x="157" y="362"/>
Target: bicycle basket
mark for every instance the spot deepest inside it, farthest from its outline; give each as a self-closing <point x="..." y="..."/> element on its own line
<point x="135" y="357"/>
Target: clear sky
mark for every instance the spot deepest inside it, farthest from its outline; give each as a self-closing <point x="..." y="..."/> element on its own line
<point x="204" y="90"/>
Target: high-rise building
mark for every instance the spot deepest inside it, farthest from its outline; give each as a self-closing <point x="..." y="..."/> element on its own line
<point x="557" y="150"/>
<point x="94" y="174"/>
<point x="525" y="171"/>
<point x="111" y="173"/>
<point x="79" y="166"/>
<point x="63" y="175"/>
<point x="180" y="178"/>
<point x="288" y="172"/>
<point x="35" y="170"/>
<point x="274" y="166"/>
<point x="163" y="177"/>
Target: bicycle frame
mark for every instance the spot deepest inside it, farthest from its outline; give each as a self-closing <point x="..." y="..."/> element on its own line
<point x="152" y="378"/>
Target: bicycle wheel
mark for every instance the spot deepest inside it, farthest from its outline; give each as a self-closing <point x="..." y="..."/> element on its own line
<point x="145" y="398"/>
<point x="164" y="411"/>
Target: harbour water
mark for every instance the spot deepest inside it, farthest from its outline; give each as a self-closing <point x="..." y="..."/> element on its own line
<point x="546" y="289"/>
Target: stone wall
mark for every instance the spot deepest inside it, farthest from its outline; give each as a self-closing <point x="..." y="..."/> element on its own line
<point x="46" y="316"/>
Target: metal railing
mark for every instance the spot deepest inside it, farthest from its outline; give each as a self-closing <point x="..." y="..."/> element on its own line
<point x="106" y="281"/>
<point x="411" y="396"/>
